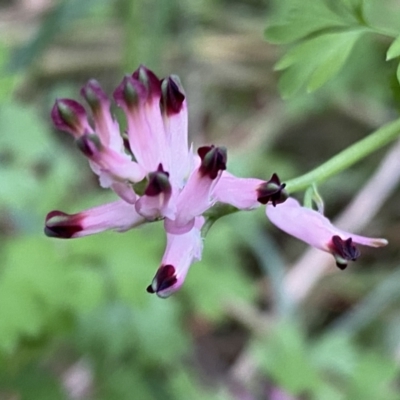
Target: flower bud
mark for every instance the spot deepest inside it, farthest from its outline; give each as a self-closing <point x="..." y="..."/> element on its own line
<point x="172" y="95"/>
<point x="213" y="160"/>
<point x="70" y="116"/>
<point x="272" y="191"/>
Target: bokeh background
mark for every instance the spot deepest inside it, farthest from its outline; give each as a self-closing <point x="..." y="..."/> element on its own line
<point x="261" y="316"/>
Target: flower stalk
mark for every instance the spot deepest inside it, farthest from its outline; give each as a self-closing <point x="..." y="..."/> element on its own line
<point x="347" y="157"/>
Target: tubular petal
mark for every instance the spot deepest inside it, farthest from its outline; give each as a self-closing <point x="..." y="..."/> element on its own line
<point x="125" y="191"/>
<point x="175" y="119"/>
<point x="312" y="227"/>
<point x="146" y="133"/>
<point x="181" y="251"/>
<point x="238" y="192"/>
<point x="105" y="126"/>
<point x="119" y="165"/>
<point x="119" y="216"/>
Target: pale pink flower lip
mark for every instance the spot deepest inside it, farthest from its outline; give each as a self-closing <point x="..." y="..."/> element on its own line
<point x="155" y="202"/>
<point x="313" y="228"/>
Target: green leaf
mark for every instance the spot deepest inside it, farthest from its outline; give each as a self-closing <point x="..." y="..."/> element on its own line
<point x="345" y="356"/>
<point x="394" y="49"/>
<point x="373" y="379"/>
<point x="315" y="61"/>
<point x="284" y="357"/>
<point x="305" y="18"/>
<point x="35" y="383"/>
<point x="333" y="59"/>
<point x="183" y="386"/>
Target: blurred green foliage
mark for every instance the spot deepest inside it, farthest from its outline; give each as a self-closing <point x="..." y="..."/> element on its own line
<point x="81" y="305"/>
<point x="324" y="34"/>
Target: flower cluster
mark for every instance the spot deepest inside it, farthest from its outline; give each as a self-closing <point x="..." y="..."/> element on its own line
<point x="157" y="176"/>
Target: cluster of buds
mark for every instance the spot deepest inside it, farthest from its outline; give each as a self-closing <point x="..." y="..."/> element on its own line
<point x="157" y="176"/>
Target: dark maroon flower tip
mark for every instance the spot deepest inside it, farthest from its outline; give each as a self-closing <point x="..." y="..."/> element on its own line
<point x="164" y="279"/>
<point x="343" y="251"/>
<point x="130" y="93"/>
<point x="149" y="289"/>
<point x="94" y="95"/>
<point x="272" y="191"/>
<point x="149" y="79"/>
<point x="61" y="225"/>
<point x="158" y="182"/>
<point x="69" y="115"/>
<point x="172" y="95"/>
<point x="89" y="145"/>
<point x="213" y="160"/>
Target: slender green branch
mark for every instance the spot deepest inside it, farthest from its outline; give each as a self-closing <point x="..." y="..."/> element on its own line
<point x="347" y="157"/>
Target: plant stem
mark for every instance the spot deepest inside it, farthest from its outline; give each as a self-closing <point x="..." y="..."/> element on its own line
<point x="347" y="157"/>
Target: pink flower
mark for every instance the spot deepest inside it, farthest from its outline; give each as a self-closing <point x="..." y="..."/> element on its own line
<point x="316" y="230"/>
<point x="152" y="169"/>
<point x="157" y="176"/>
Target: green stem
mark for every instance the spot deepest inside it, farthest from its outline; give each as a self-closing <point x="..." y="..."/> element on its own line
<point x="347" y="157"/>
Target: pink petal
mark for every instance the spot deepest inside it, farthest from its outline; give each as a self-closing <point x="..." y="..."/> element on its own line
<point x="146" y="133"/>
<point x="193" y="201"/>
<point x="155" y="207"/>
<point x="195" y="197"/>
<point x="117" y="164"/>
<point x="119" y="216"/>
<point x="175" y="118"/>
<point x="125" y="191"/>
<point x="181" y="251"/>
<point x="105" y="126"/>
<point x="238" y="192"/>
<point x="312" y="227"/>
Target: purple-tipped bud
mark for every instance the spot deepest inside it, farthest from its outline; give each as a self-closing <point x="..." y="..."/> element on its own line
<point x="94" y="95"/>
<point x="213" y="160"/>
<point x="130" y="93"/>
<point x="172" y="95"/>
<point x="61" y="225"/>
<point x="158" y="182"/>
<point x="149" y="79"/>
<point x="272" y="191"/>
<point x="343" y="251"/>
<point x="164" y="281"/>
<point x="89" y="145"/>
<point x="69" y="116"/>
